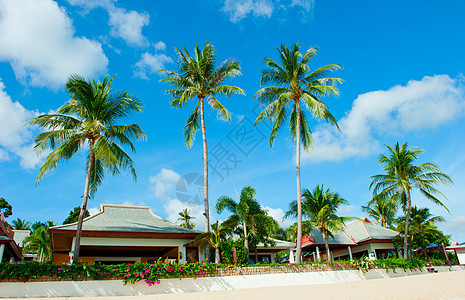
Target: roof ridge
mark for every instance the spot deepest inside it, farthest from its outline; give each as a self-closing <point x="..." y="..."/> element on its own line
<point x="123" y="205"/>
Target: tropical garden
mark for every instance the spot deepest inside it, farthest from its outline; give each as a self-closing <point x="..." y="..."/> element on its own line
<point x="292" y="93"/>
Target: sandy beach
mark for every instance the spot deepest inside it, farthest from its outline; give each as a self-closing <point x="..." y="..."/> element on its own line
<point x="448" y="285"/>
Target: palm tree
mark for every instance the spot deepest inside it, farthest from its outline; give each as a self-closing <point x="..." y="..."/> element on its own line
<point x="90" y="118"/>
<point x="213" y="238"/>
<point x="198" y="78"/>
<point x="244" y="213"/>
<point x="382" y="208"/>
<point x="186" y="218"/>
<point x="19" y="224"/>
<point x="402" y="175"/>
<point x="319" y="208"/>
<point x="296" y="85"/>
<point x="39" y="242"/>
<point x="422" y="229"/>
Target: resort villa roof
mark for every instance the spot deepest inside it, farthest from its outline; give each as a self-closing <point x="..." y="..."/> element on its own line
<point x="124" y="233"/>
<point x="354" y="233"/>
<point x="9" y="249"/>
<point x="357" y="238"/>
<point x="123" y="220"/>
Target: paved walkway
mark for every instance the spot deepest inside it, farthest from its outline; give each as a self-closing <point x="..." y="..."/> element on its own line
<point x="447" y="285"/>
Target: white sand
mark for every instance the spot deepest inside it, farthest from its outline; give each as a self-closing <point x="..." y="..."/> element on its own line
<point x="447" y="285"/>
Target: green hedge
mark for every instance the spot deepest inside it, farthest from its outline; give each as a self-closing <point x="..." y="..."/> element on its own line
<point x="152" y="273"/>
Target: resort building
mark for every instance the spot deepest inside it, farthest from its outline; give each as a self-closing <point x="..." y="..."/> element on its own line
<point x="358" y="238"/>
<point x="459" y="250"/>
<point x="267" y="254"/>
<point x="9" y="249"/>
<point x="120" y="233"/>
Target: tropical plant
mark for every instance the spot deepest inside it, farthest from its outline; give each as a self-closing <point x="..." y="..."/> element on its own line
<point x="5" y="208"/>
<point x="198" y="78"/>
<point x="422" y="229"/>
<point x="19" y="224"/>
<point x="74" y="215"/>
<point x="383" y="208"/>
<point x="46" y="225"/>
<point x="186" y="218"/>
<point x="295" y="85"/>
<point x="39" y="242"/>
<point x="319" y="208"/>
<point x="90" y="118"/>
<point x="402" y="175"/>
<point x="248" y="219"/>
<point x="213" y="238"/>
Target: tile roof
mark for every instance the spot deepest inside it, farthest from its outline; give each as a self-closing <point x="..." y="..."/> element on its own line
<point x="354" y="232"/>
<point x="127" y="219"/>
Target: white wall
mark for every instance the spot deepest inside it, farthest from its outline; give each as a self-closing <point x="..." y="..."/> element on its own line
<point x="186" y="285"/>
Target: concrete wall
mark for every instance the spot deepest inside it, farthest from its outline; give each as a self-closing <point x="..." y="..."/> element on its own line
<point x="117" y="288"/>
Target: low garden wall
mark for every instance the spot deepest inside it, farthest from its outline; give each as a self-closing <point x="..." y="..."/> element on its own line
<point x="201" y="284"/>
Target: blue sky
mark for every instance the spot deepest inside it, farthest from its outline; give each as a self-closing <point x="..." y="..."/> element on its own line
<point x="403" y="81"/>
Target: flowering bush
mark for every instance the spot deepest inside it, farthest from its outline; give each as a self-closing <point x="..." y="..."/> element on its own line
<point x="129" y="273"/>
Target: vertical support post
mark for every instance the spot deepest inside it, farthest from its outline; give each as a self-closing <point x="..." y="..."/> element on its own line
<point x="234" y="256"/>
<point x="318" y="253"/>
<point x="2" y="250"/>
<point x="314" y="256"/>
<point x="291" y="256"/>
<point x="350" y="253"/>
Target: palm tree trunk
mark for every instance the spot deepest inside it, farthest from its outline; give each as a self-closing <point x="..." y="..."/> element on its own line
<point x="325" y="238"/>
<point x="298" y="252"/>
<point x="77" y="243"/>
<point x="205" y="174"/>
<point x="407" y="218"/>
<point x="217" y="256"/>
<point x="256" y="255"/>
<point x="246" y="242"/>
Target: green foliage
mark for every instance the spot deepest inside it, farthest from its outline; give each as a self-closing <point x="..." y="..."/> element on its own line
<point x="5" y="208"/>
<point x="185" y="219"/>
<point x="383" y="208"/>
<point x="227" y="252"/>
<point x="294" y="83"/>
<point x="199" y="78"/>
<point x="19" y="224"/>
<point x="130" y="273"/>
<point x="39" y="242"/>
<point x="74" y="215"/>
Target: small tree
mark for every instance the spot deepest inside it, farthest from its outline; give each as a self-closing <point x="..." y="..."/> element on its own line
<point x="74" y="215"/>
<point x="383" y="208"/>
<point x="19" y="224"/>
<point x="5" y="208"/>
<point x="186" y="219"/>
<point x="39" y="242"/>
<point x="213" y="238"/>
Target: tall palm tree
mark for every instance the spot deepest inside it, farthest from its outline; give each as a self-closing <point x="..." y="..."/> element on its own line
<point x="422" y="229"/>
<point x="319" y="208"/>
<point x="382" y="208"/>
<point x="90" y="118"/>
<point x="402" y="175"/>
<point x="213" y="238"/>
<point x="19" y="224"/>
<point x="39" y="242"/>
<point x="294" y="86"/>
<point x="198" y="78"/>
<point x="186" y="219"/>
<point x="244" y="213"/>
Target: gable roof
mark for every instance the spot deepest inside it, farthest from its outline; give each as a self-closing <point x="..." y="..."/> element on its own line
<point x="123" y="218"/>
<point x="354" y="232"/>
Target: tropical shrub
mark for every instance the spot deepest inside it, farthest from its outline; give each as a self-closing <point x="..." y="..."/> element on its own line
<point x="227" y="252"/>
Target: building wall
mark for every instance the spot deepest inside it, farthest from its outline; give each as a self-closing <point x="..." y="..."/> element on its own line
<point x="101" y="241"/>
<point x="460" y="255"/>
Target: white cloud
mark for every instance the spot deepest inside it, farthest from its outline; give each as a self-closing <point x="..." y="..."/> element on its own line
<point x="174" y="206"/>
<point x="278" y="215"/>
<point x="164" y="182"/>
<point x="124" y="24"/>
<point x="349" y="210"/>
<point x="93" y="210"/>
<point x="151" y="63"/>
<point x="15" y="137"/>
<point x="239" y="9"/>
<point x="37" y="38"/>
<point x="455" y="224"/>
<point x="417" y="106"/>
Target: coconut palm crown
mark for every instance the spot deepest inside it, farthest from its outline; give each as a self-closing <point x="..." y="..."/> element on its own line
<point x="319" y="208"/>
<point x="383" y="208"/>
<point x="293" y="85"/>
<point x="198" y="78"/>
<point x="89" y="119"/>
<point x="402" y="175"/>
